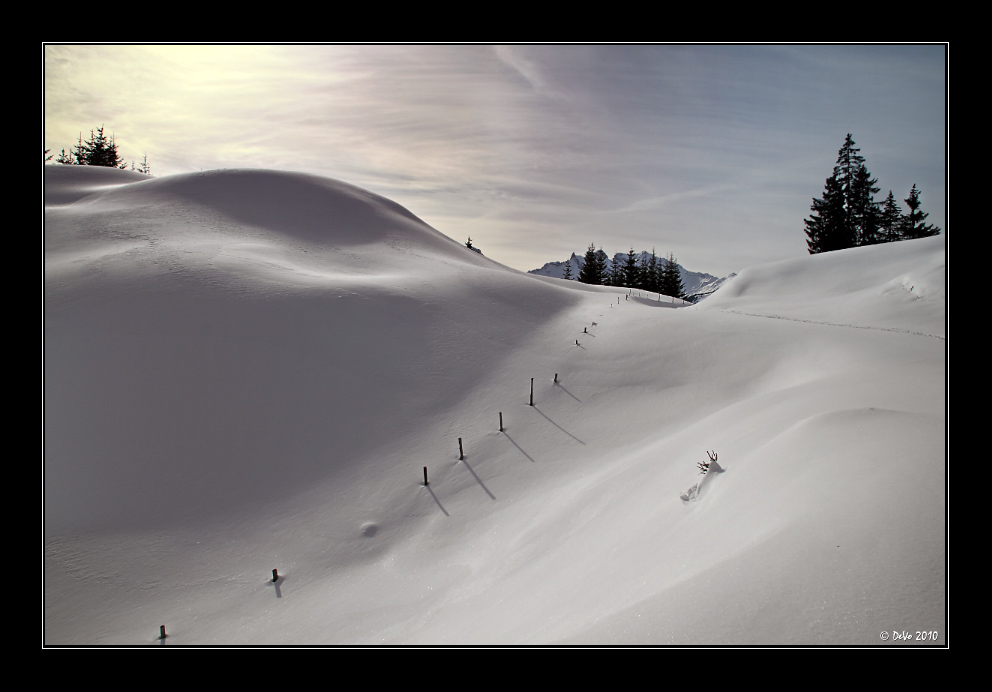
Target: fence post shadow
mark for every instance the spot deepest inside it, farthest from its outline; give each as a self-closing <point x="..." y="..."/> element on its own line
<point x="479" y="480"/>
<point x="558" y="426"/>
<point x="431" y="491"/>
<point x="518" y="447"/>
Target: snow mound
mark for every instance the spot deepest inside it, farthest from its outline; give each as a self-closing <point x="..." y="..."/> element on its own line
<point x="68" y="184"/>
<point x="219" y="340"/>
<point x="866" y="287"/>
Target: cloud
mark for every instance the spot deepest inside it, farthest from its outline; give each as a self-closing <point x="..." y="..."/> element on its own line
<point x="629" y="142"/>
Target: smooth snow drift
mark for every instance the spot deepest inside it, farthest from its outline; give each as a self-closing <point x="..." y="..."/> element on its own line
<point x="249" y="370"/>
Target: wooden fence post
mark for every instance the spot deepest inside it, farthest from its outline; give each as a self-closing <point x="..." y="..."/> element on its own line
<point x="425" y="477"/>
<point x="501" y="421"/>
<point x="461" y="453"/>
<point x="532" y="391"/>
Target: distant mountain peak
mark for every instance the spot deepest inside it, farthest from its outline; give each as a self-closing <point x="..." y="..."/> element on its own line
<point x="698" y="284"/>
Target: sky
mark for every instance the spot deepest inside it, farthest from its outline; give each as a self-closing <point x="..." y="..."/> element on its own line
<point x="710" y="152"/>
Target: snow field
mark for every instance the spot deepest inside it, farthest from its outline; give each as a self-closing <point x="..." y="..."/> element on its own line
<point x="249" y="370"/>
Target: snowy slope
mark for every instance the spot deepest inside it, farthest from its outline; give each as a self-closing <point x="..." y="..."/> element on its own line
<point x="248" y="370"/>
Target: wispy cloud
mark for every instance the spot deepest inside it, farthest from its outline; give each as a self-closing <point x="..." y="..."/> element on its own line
<point x="630" y="143"/>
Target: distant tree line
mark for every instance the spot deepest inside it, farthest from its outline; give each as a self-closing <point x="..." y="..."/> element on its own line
<point x="848" y="216"/>
<point x="634" y="271"/>
<point x="98" y="150"/>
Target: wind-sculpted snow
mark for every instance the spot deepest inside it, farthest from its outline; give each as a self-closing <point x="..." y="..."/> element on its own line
<point x="68" y="184"/>
<point x="897" y="287"/>
<point x="195" y="366"/>
<point x="249" y="370"/>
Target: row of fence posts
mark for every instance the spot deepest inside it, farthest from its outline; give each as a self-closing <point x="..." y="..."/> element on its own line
<point x="461" y="457"/>
<point x="461" y="450"/>
<point x="162" y="635"/>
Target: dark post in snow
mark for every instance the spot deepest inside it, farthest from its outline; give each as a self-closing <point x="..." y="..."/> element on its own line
<point x="556" y="376"/>
<point x="275" y="575"/>
<point x="585" y="330"/>
<point x="532" y="391"/>
<point x="425" y="477"/>
<point x="501" y="421"/>
<point x="461" y="453"/>
<point x="161" y="632"/>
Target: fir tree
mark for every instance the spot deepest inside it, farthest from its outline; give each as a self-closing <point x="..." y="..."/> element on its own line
<point x="591" y="273"/>
<point x="114" y="160"/>
<point x="912" y="225"/>
<point x="650" y="273"/>
<point x="826" y="227"/>
<point x="671" y="279"/>
<point x="614" y="276"/>
<point x="864" y="209"/>
<point x="847" y="214"/>
<point x="97" y="151"/>
<point x="849" y="162"/>
<point x="604" y="266"/>
<point x="78" y="154"/>
<point x="568" y="270"/>
<point x="631" y="272"/>
<point x="890" y="220"/>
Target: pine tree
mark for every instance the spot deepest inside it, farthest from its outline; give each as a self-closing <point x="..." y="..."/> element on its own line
<point x="590" y="272"/>
<point x="671" y="279"/>
<point x="78" y="154"/>
<point x="826" y="228"/>
<point x="890" y="220"/>
<point x="97" y="151"/>
<point x="568" y="270"/>
<point x="913" y="226"/>
<point x="849" y="162"/>
<point x="114" y="160"/>
<point x="604" y="266"/>
<point x="864" y="209"/>
<point x="631" y="272"/>
<point x="614" y="274"/>
<point x="650" y="273"/>
<point x="847" y="214"/>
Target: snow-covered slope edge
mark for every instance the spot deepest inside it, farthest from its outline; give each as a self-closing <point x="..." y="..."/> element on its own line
<point x="844" y="288"/>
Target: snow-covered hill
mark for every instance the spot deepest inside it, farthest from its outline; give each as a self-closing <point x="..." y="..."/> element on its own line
<point x="250" y="370"/>
<point x="696" y="284"/>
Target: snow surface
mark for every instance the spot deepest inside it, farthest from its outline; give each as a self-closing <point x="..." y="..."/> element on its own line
<point x="249" y="370"/>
